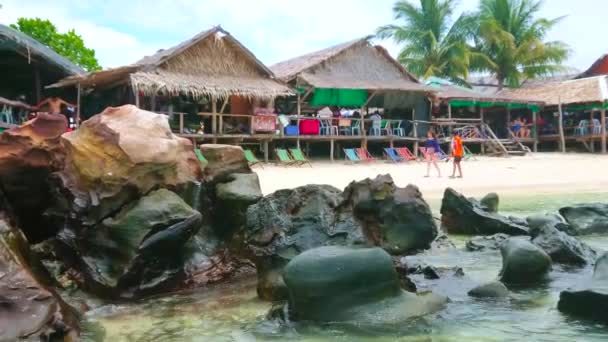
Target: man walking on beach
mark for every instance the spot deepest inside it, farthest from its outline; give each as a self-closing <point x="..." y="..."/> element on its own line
<point x="457" y="153"/>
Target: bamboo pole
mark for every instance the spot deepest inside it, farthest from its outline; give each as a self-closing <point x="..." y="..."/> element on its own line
<point x="562" y="139"/>
<point x="603" y="123"/>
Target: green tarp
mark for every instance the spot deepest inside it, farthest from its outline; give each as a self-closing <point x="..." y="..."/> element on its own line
<point x="586" y="107"/>
<point x="339" y="97"/>
<point x="464" y="103"/>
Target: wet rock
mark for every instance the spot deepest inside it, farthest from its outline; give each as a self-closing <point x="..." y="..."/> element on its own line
<point x="223" y="161"/>
<point x="462" y="216"/>
<point x="587" y="218"/>
<point x="490" y="202"/>
<point x="484" y="243"/>
<point x="288" y="222"/>
<point x="28" y="155"/>
<point x="493" y="289"/>
<point x="28" y="309"/>
<point x="396" y="219"/>
<point x="563" y="248"/>
<point x="354" y="285"/>
<point x="119" y="155"/>
<point x="590" y="300"/>
<point x="536" y="222"/>
<point x="442" y="242"/>
<point x="232" y="199"/>
<point x="523" y="262"/>
<point x="137" y="252"/>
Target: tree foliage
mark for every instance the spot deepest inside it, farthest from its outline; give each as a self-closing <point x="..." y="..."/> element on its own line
<point x="69" y="44"/>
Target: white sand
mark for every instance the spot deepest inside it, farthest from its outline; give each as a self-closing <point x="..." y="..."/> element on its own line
<point x="549" y="173"/>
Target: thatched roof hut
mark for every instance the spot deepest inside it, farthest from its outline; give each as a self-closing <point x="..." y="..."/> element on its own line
<point x="26" y="62"/>
<point x="351" y="65"/>
<point x="212" y="63"/>
<point x="592" y="91"/>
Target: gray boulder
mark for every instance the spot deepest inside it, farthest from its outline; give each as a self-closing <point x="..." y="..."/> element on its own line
<point x="484" y="243"/>
<point x="232" y="198"/>
<point x="590" y="300"/>
<point x="563" y="248"/>
<point x="490" y="202"/>
<point x="523" y="262"/>
<point x="587" y="218"/>
<point x="460" y="215"/>
<point x="493" y="289"/>
<point x="396" y="219"/>
<point x="538" y="221"/>
<point x="354" y="285"/>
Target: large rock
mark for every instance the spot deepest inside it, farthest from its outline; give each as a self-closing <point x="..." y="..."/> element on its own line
<point x="460" y="215"/>
<point x="587" y="218"/>
<point x="118" y="155"/>
<point x="232" y="199"/>
<point x="485" y="243"/>
<point x="490" y="202"/>
<point x="590" y="300"/>
<point x="139" y="251"/>
<point x="29" y="309"/>
<point x="28" y="155"/>
<point x="523" y="262"/>
<point x="338" y="284"/>
<point x="536" y="222"/>
<point x="223" y="160"/>
<point x="396" y="219"/>
<point x="289" y="222"/>
<point x="563" y="248"/>
<point x="494" y="289"/>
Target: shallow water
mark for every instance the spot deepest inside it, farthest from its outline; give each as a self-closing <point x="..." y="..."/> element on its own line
<point x="233" y="312"/>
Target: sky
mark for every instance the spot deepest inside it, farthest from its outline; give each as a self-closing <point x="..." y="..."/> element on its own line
<point x="123" y="31"/>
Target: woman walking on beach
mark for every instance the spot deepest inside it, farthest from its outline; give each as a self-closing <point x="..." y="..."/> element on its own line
<point x="457" y="154"/>
<point x="431" y="146"/>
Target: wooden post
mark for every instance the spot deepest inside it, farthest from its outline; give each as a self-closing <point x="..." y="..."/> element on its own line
<point x="450" y="118"/>
<point x="266" y="151"/>
<point x="362" y="128"/>
<point x="221" y="124"/>
<point x="415" y="128"/>
<point x="181" y="123"/>
<point x="603" y="123"/>
<point x="562" y="139"/>
<point x="535" y="130"/>
<point x="591" y="135"/>
<point x="153" y="102"/>
<point x="136" y="94"/>
<point x="483" y="146"/>
<point x="299" y="108"/>
<point x="78" y="104"/>
<point x="331" y="149"/>
<point x="213" y="116"/>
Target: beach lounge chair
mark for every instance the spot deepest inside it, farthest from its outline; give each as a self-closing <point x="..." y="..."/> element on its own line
<point x="405" y="153"/>
<point x="351" y="156"/>
<point x="468" y="154"/>
<point x="392" y="155"/>
<point x="298" y="157"/>
<point x="283" y="157"/>
<point x="364" y="155"/>
<point x="201" y="158"/>
<point x="441" y="155"/>
<point x="251" y="159"/>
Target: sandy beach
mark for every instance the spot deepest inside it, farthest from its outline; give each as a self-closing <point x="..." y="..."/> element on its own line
<point x="538" y="173"/>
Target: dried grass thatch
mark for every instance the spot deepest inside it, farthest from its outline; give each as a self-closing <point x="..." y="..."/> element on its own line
<point x="352" y="65"/>
<point x="29" y="47"/>
<point x="579" y="91"/>
<point x="213" y="63"/>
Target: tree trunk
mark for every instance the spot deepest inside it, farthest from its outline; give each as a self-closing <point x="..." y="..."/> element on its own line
<point x="501" y="82"/>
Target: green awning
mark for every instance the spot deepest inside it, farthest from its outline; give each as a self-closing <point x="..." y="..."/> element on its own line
<point x="339" y="97"/>
<point x="484" y="104"/>
<point x="586" y="107"/>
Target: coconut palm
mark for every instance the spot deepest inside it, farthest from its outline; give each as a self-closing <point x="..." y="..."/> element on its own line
<point x="510" y="42"/>
<point x="433" y="47"/>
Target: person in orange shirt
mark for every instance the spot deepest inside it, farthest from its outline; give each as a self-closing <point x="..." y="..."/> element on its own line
<point x="457" y="154"/>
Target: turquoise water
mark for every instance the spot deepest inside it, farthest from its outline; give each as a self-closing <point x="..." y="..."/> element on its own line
<point x="233" y="312"/>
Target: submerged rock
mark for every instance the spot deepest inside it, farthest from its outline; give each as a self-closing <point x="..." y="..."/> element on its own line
<point x="587" y="218"/>
<point x="523" y="262"/>
<point x="591" y="300"/>
<point x="490" y="202"/>
<point x="28" y="156"/>
<point x="460" y="215"/>
<point x="563" y="248"/>
<point x="354" y="285"/>
<point x="396" y="219"/>
<point x="484" y="243"/>
<point x="493" y="289"/>
<point x="288" y="222"/>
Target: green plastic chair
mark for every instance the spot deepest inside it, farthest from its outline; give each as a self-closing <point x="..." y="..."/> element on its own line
<point x="201" y="158"/>
<point x="284" y="157"/>
<point x="299" y="157"/>
<point x="251" y="159"/>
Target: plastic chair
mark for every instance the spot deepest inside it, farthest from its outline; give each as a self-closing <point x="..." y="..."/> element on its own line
<point x="251" y="159"/>
<point x="364" y="155"/>
<point x="597" y="127"/>
<point x="376" y="127"/>
<point x="351" y="156"/>
<point x="345" y="126"/>
<point x="283" y="157"/>
<point x="392" y="155"/>
<point x="582" y="127"/>
<point x="396" y="128"/>
<point x="327" y="128"/>
<point x="405" y="153"/>
<point x="298" y="157"/>
<point x="385" y="126"/>
<point x="355" y="126"/>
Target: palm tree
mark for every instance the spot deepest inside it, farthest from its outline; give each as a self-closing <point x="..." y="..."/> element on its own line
<point x="432" y="46"/>
<point x="510" y="42"/>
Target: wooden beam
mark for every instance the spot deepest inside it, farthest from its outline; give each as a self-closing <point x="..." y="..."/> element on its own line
<point x="562" y="139"/>
<point x="370" y="98"/>
<point x="603" y="123"/>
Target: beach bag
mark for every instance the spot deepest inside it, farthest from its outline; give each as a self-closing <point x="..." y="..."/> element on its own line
<point x="291" y="130"/>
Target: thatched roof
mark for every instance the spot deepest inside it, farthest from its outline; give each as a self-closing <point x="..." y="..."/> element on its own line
<point x="447" y="91"/>
<point x="351" y="65"/>
<point x="11" y="39"/>
<point x="212" y="63"/>
<point x="579" y="91"/>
